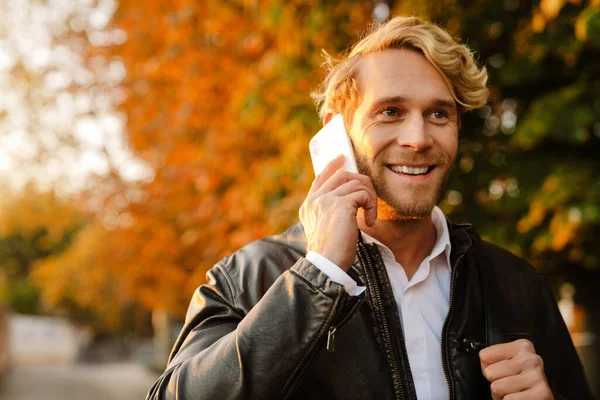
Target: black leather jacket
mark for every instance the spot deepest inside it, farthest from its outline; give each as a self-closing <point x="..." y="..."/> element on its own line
<point x="270" y="325"/>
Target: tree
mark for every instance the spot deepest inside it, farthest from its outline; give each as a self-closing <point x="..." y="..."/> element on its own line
<point x="52" y="262"/>
<point x="528" y="169"/>
<point x="59" y="135"/>
<point x="219" y="105"/>
<point x="33" y="227"/>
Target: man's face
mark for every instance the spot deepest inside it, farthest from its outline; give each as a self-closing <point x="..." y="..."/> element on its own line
<point x="404" y="131"/>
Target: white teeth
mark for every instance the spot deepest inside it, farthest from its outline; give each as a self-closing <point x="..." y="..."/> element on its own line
<point x="409" y="170"/>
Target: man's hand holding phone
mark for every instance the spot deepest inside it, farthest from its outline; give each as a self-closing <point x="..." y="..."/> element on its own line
<point x="329" y="212"/>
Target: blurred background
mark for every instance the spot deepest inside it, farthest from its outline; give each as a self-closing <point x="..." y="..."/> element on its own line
<point x="140" y="142"/>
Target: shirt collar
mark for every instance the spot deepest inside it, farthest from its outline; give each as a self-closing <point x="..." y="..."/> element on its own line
<point x="442" y="241"/>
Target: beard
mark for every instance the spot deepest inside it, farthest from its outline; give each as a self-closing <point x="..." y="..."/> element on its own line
<point x="416" y="201"/>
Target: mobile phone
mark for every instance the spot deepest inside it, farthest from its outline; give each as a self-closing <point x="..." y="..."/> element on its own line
<point x="331" y="141"/>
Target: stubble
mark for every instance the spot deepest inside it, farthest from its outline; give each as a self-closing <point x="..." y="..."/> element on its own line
<point x="420" y="200"/>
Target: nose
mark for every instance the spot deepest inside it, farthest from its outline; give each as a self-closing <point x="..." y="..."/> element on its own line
<point x="413" y="133"/>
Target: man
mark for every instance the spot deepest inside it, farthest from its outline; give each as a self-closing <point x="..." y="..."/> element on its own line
<point x="418" y="307"/>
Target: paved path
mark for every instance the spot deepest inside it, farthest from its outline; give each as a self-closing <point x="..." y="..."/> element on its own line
<point x="74" y="382"/>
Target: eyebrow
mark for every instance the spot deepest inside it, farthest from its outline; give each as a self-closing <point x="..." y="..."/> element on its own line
<point x="451" y="104"/>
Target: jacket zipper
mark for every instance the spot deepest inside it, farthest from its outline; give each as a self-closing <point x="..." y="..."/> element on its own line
<point x="379" y="310"/>
<point x="333" y="329"/>
<point x="472" y="345"/>
<point x="315" y="350"/>
<point x="444" y="356"/>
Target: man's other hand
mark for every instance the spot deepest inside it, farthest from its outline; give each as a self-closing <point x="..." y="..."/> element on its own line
<point x="329" y="212"/>
<point x="515" y="371"/>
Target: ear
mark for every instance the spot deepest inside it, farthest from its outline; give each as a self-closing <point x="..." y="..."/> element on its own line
<point x="328" y="117"/>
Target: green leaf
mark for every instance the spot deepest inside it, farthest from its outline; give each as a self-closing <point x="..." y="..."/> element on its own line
<point x="593" y="28"/>
<point x="587" y="26"/>
<point x="552" y="115"/>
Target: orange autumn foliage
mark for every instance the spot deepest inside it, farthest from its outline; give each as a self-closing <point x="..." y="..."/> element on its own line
<point x="218" y="104"/>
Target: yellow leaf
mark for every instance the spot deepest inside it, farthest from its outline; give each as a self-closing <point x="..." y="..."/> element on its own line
<point x="538" y="22"/>
<point x="551" y="8"/>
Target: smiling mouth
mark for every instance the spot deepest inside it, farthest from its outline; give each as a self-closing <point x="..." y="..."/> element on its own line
<point x="415" y="171"/>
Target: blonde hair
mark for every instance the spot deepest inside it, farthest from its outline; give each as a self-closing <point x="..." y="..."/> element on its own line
<point x="339" y="91"/>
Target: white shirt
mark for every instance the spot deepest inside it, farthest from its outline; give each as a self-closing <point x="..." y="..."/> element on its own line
<point x="422" y="303"/>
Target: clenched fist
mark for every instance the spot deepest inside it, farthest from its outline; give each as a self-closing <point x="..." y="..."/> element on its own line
<point x="515" y="371"/>
<point x="329" y="212"/>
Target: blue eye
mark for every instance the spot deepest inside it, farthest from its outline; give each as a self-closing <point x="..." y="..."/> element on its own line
<point x="439" y="114"/>
<point x="390" y="112"/>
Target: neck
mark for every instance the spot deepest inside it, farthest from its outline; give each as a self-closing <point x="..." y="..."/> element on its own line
<point x="411" y="240"/>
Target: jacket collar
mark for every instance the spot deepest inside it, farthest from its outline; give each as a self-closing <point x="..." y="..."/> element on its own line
<point x="462" y="237"/>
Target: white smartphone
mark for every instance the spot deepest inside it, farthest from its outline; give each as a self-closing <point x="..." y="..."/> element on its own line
<point x="331" y="141"/>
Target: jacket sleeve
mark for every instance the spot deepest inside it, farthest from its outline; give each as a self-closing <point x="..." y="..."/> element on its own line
<point x="553" y="343"/>
<point x="226" y="351"/>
